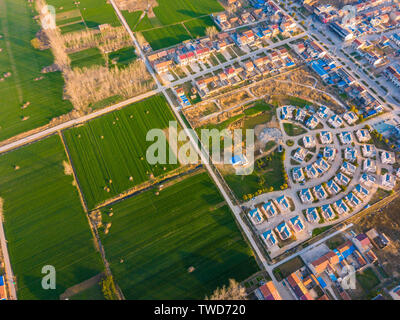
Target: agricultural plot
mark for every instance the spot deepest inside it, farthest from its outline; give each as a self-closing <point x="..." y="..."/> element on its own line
<point x="179" y="244"/>
<point x="167" y="36"/>
<point x="44" y="220"/>
<point x="184" y="10"/>
<point x="173" y="24"/>
<point x="86" y="58"/>
<point x="29" y="98"/>
<point x="122" y="57"/>
<point x="197" y="27"/>
<point x="92" y="12"/>
<point x="109" y="153"/>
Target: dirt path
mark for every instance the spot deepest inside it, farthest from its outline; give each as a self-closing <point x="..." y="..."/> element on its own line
<point x="81" y="286"/>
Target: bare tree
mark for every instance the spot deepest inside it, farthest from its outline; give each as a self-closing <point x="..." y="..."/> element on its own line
<point x="233" y="292"/>
<point x="211" y="32"/>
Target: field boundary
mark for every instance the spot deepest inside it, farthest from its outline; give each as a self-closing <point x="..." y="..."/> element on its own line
<point x="81" y="196"/>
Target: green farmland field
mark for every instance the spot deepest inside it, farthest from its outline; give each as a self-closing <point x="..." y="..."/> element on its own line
<point x="167" y="36"/>
<point x="42" y="97"/>
<point x="94" y="12"/>
<point x="86" y="58"/>
<point x="166" y="28"/>
<point x="44" y="220"/>
<point x="122" y="57"/>
<point x="114" y="146"/>
<point x="197" y="27"/>
<point x="180" y="244"/>
<point x="184" y="9"/>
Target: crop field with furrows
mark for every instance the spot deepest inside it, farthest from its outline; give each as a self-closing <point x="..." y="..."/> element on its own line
<point x="197" y="27"/>
<point x="180" y="243"/>
<point x="184" y="10"/>
<point x="167" y="36"/>
<point x="175" y="23"/>
<point x="29" y="98"/>
<point x="86" y="58"/>
<point x="44" y="221"/>
<point x="109" y="153"/>
<point x="92" y="12"/>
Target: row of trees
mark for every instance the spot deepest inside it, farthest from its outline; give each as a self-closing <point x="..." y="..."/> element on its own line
<point x="88" y="85"/>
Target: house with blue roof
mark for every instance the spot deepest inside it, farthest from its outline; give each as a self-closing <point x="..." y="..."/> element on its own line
<point x="309" y="141"/>
<point x="363" y="135"/>
<point x="300" y="154"/>
<point x="332" y="187"/>
<point x="283" y="231"/>
<point x="352" y="200"/>
<point x="255" y="216"/>
<point x="312" y="215"/>
<point x="311" y="171"/>
<point x="320" y="192"/>
<point x="346" y="137"/>
<point x="361" y="191"/>
<point x="329" y="153"/>
<point x="298" y="174"/>
<point x="350" y="154"/>
<point x="326" y="137"/>
<point x="335" y="121"/>
<point x="283" y="203"/>
<point x="297" y="224"/>
<point x="312" y="122"/>
<point x="368" y="150"/>
<point x="322" y="164"/>
<point x="342" y="179"/>
<point x="327" y="212"/>
<point x="269" y="209"/>
<point x="350" y="117"/>
<point x="388" y="181"/>
<point x="341" y="207"/>
<point x="269" y="239"/>
<point x="348" y="168"/>
<point x="287" y="112"/>
<point x="323" y="112"/>
<point x="300" y="115"/>
<point x="367" y="179"/>
<point x="306" y="196"/>
<point x="369" y="165"/>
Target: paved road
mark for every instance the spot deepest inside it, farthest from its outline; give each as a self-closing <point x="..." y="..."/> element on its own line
<point x="6" y="258"/>
<point x="68" y="124"/>
<point x="201" y="151"/>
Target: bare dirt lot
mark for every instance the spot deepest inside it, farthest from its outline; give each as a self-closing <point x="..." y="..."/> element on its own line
<point x="386" y="220"/>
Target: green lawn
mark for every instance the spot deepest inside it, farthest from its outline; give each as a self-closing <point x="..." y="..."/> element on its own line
<point x="367" y="279"/>
<point x="44" y="221"/>
<point x="293" y="129"/>
<point x="109" y="150"/>
<point x="154" y="241"/>
<point x="44" y="96"/>
<point x="267" y="173"/>
<point x="86" y="58"/>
